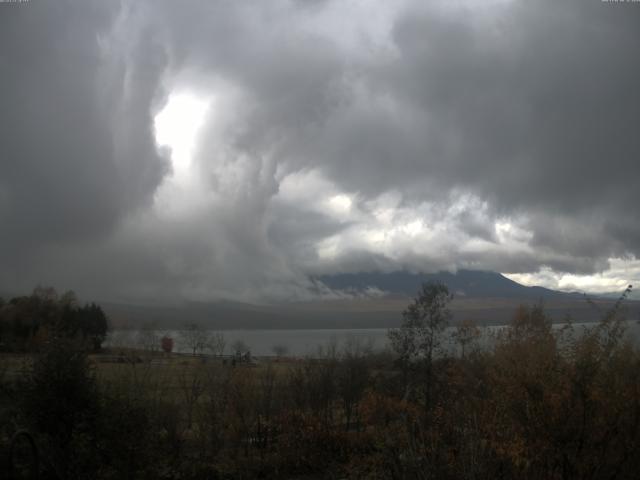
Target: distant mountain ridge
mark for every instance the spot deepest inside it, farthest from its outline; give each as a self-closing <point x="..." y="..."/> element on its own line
<point x="487" y="298"/>
<point x="463" y="283"/>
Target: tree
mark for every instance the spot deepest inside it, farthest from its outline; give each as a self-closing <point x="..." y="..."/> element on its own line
<point x="194" y="338"/>
<point x="239" y="347"/>
<point x="353" y="377"/>
<point x="147" y="337"/>
<point x="28" y="321"/>
<point x="418" y="339"/>
<point x="191" y="381"/>
<point x="216" y="343"/>
<point x="94" y="324"/>
<point x="166" y="343"/>
<point x="319" y="378"/>
<point x="69" y="298"/>
<point x="465" y="334"/>
<point x="61" y="402"/>
<point x="280" y="350"/>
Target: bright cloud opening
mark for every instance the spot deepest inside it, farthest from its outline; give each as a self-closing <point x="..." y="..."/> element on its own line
<point x="621" y="272"/>
<point x="340" y="204"/>
<point x="177" y="126"/>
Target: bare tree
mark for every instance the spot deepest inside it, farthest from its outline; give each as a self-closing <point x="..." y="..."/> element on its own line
<point x="194" y="338"/>
<point x="280" y="350"/>
<point x="266" y="404"/>
<point x="192" y="385"/>
<point x="214" y="413"/>
<point x="320" y="374"/>
<point x="118" y="339"/>
<point x="465" y="334"/>
<point x="353" y="376"/>
<point x="239" y="347"/>
<point x="148" y="338"/>
<point x="216" y="343"/>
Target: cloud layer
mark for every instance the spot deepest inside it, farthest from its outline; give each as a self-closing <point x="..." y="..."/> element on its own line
<point x="338" y="137"/>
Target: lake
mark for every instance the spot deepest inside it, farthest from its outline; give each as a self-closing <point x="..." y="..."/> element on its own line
<point x="297" y="342"/>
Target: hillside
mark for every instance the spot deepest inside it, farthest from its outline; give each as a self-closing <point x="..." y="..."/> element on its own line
<point x="463" y="283"/>
<point x="485" y="297"/>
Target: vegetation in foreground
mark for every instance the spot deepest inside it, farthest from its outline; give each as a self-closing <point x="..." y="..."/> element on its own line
<point x="540" y="403"/>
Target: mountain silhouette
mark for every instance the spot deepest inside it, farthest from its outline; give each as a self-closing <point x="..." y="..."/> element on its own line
<point x="463" y="283"/>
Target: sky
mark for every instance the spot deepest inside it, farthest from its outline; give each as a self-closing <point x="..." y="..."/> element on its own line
<point x="206" y="150"/>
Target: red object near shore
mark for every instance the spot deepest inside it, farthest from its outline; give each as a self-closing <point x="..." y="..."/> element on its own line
<point x="166" y="343"/>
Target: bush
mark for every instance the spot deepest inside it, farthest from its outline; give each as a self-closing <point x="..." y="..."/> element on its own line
<point x="61" y="404"/>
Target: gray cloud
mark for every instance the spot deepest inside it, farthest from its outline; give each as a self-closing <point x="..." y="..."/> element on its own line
<point x="77" y="147"/>
<point x="340" y="137"/>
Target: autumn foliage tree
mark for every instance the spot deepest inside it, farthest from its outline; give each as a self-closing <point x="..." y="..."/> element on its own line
<point x="537" y="400"/>
<point x="166" y="343"/>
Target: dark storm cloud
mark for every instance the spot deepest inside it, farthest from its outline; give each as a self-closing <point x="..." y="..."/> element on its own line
<point x="543" y="101"/>
<point x="532" y="104"/>
<point x="535" y="109"/>
<point x="77" y="148"/>
<point x="436" y="123"/>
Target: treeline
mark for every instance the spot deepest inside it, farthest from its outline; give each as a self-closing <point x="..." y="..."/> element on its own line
<point x="540" y="402"/>
<point x="28" y="323"/>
